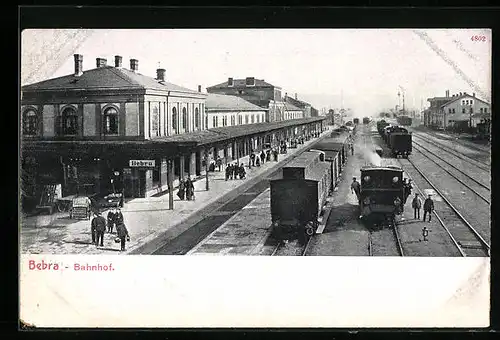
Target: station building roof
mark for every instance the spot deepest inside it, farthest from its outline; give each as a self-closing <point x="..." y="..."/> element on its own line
<point x="221" y="102"/>
<point x="291" y="107"/>
<point x="241" y="83"/>
<point x="106" y="77"/>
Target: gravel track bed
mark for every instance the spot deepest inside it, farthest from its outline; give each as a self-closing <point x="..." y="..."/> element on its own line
<point x="474" y="156"/>
<point x="340" y="243"/>
<point x="290" y="248"/>
<point x="456" y="172"/>
<point x="384" y="243"/>
<point x="475" y="210"/>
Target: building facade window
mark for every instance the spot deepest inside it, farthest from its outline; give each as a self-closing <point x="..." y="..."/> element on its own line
<point x="214" y="124"/>
<point x="463" y="110"/>
<point x="240" y="120"/>
<point x="174" y="120"/>
<point x="185" y="119"/>
<point x="471" y="110"/>
<point x="263" y="118"/>
<point x="246" y="119"/>
<point x="196" y="118"/>
<point x="258" y="118"/>
<point x="30" y="122"/>
<point x="253" y="119"/>
<point x="69" y="121"/>
<point x="485" y="110"/>
<point x="453" y="110"/>
<point x="155" y="121"/>
<point x="481" y="110"/>
<point x="232" y="120"/>
<point x="110" y="121"/>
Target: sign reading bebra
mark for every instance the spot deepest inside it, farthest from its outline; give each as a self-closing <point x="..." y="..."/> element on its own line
<point x="136" y="163"/>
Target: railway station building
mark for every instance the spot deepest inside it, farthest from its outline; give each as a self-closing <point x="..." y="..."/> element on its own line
<point x="257" y="92"/>
<point x="113" y="128"/>
<point x="308" y="109"/>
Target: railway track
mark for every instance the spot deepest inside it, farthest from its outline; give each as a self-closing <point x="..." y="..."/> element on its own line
<point x="464" y="236"/>
<point x="295" y="248"/>
<point x="478" y="183"/>
<point x="479" y="164"/>
<point x="398" y="240"/>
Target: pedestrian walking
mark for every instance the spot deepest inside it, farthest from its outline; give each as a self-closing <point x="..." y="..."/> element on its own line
<point x="99" y="226"/>
<point x="262" y="157"/>
<point x="257" y="162"/>
<point x="228" y="171"/>
<point x="275" y="154"/>
<point x="235" y="169"/>
<point x="118" y="216"/>
<point x="182" y="189"/>
<point x="219" y="163"/>
<point x="111" y="219"/>
<point x="252" y="157"/>
<point x="416" y="204"/>
<point x="242" y="171"/>
<point x="189" y="189"/>
<point x="268" y="155"/>
<point x="428" y="207"/>
<point x="355" y="188"/>
<point x="122" y="234"/>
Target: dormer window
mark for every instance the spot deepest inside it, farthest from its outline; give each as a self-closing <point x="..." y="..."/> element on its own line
<point x="250" y="81"/>
<point x="230" y="82"/>
<point x="30" y="122"/>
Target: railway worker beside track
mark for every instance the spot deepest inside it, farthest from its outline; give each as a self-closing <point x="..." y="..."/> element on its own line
<point x="355" y="187"/>
<point x="416" y="204"/>
<point x="428" y="207"/>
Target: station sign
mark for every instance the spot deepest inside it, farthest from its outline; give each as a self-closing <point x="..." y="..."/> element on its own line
<point x="144" y="163"/>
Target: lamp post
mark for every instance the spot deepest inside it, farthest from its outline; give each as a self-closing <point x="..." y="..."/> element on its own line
<point x="206" y="170"/>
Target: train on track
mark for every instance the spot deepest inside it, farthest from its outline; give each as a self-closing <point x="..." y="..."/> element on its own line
<point x="382" y="195"/>
<point x="397" y="138"/>
<point x="404" y="120"/>
<point x="297" y="199"/>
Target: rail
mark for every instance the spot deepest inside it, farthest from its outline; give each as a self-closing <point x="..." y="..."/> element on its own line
<point x="464" y="157"/>
<point x="458" y="179"/>
<point x="485" y="246"/>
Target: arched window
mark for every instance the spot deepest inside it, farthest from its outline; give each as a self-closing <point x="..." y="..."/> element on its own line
<point x="30" y="122"/>
<point x="246" y="119"/>
<point x="174" y="120"/>
<point x="196" y="118"/>
<point x="253" y="119"/>
<point x="214" y="121"/>
<point x="110" y="121"/>
<point x="155" y="120"/>
<point x="69" y="121"/>
<point x="232" y="120"/>
<point x="184" y="119"/>
<point x="240" y="120"/>
<point x="258" y="118"/>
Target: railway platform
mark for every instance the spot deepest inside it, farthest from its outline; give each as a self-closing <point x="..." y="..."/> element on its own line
<point x="149" y="221"/>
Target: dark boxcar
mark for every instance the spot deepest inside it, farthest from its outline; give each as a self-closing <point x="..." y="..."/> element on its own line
<point x="401" y="144"/>
<point x="404" y="120"/>
<point x="381" y="194"/>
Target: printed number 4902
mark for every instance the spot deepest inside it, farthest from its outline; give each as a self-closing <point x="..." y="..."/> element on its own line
<point x="478" y="38"/>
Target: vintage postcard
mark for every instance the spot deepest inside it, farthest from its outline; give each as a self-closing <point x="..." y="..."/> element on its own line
<point x="292" y="181"/>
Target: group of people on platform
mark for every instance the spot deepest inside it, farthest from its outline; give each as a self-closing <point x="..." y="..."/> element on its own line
<point x="99" y="225"/>
<point x="186" y="189"/>
<point x="233" y="171"/>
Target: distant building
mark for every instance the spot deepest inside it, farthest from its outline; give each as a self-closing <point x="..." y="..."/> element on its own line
<point x="307" y="108"/>
<point x="225" y="110"/>
<point x="459" y="109"/>
<point x="257" y="92"/>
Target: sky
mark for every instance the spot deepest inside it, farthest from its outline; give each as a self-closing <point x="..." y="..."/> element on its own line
<point x="362" y="70"/>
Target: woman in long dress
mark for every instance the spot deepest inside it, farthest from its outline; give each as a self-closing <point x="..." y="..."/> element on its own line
<point x="182" y="189"/>
<point x="189" y="189"/>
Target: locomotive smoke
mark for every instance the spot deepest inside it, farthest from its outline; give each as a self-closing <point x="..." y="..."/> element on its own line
<point x="371" y="157"/>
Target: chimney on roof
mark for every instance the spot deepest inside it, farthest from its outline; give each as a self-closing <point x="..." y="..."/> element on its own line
<point x="250" y="81"/>
<point x="78" y="65"/>
<point x="447" y="93"/>
<point x="118" y="61"/>
<point x="160" y="74"/>
<point x="199" y="88"/>
<point x="286" y="95"/>
<point x="460" y="93"/>
<point x="230" y="82"/>
<point x="296" y="96"/>
<point x="473" y="94"/>
<point x="100" y="62"/>
<point x="134" y="65"/>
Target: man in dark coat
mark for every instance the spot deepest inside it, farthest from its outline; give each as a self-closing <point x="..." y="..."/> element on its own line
<point x="428" y="207"/>
<point x="99" y="225"/>
<point x="242" y="171"/>
<point x="189" y="189"/>
<point x="252" y="157"/>
<point x="268" y="155"/>
<point x="355" y="187"/>
<point x="122" y="232"/>
<point x="182" y="189"/>
<point x="118" y="216"/>
<point x="235" y="169"/>
<point x="229" y="171"/>
<point x="262" y="157"/>
<point x="111" y="220"/>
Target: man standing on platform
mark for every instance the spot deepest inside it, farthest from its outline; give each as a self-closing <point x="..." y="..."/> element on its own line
<point x="99" y="225"/>
<point x="355" y="188"/>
